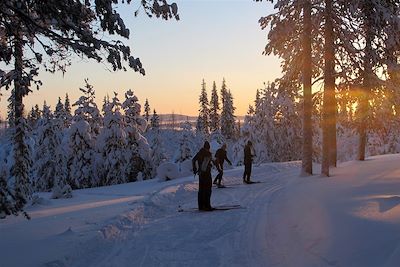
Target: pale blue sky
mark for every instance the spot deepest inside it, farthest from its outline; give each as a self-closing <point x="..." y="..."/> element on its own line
<point x="214" y="39"/>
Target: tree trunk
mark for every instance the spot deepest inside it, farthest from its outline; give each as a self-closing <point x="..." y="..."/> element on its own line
<point x="307" y="109"/>
<point x="363" y="110"/>
<point x="333" y="146"/>
<point x="22" y="161"/>
<point x="329" y="108"/>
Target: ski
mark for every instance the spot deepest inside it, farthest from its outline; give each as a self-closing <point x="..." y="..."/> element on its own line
<point x="252" y="182"/>
<point x="216" y="208"/>
<point x="243" y="183"/>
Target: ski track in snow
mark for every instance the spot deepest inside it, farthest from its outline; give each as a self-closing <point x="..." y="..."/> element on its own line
<point x="165" y="237"/>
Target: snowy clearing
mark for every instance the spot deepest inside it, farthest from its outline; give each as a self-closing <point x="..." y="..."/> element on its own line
<point x="350" y="219"/>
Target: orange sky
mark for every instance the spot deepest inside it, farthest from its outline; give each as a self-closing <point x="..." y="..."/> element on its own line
<point x="213" y="40"/>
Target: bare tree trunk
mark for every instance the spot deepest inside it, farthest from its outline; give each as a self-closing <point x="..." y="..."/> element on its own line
<point x="329" y="108"/>
<point x="307" y="109"/>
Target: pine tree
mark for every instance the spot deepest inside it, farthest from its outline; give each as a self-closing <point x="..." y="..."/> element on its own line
<point x="60" y="123"/>
<point x="81" y="156"/>
<point x="228" y="118"/>
<point x="7" y="198"/>
<point x="158" y="154"/>
<point x="147" y="110"/>
<point x="204" y="112"/>
<point x="62" y="116"/>
<point x="34" y="116"/>
<point x="113" y="140"/>
<point x="59" y="110"/>
<point x="48" y="140"/>
<point x="155" y="120"/>
<point x="67" y="108"/>
<point x="20" y="172"/>
<point x="274" y="127"/>
<point x="138" y="152"/>
<point x="87" y="108"/>
<point x="214" y="110"/>
<point x="11" y="111"/>
<point x="81" y="142"/>
<point x="185" y="151"/>
<point x="106" y="103"/>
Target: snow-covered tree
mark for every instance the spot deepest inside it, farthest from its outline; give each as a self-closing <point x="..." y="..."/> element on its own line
<point x="19" y="173"/>
<point x="217" y="137"/>
<point x="86" y="108"/>
<point x="132" y="115"/>
<point x="274" y="127"/>
<point x="61" y="188"/>
<point x="48" y="141"/>
<point x="81" y="156"/>
<point x="68" y="111"/>
<point x="10" y="110"/>
<point x="113" y="143"/>
<point x="59" y="110"/>
<point x="158" y="154"/>
<point x="203" y="121"/>
<point x="132" y="109"/>
<point x="185" y="148"/>
<point x="214" y="110"/>
<point x="7" y="199"/>
<point x="135" y="126"/>
<point x="34" y="116"/>
<point x="155" y="120"/>
<point x="106" y="103"/>
<point x="291" y="37"/>
<point x="228" y="119"/>
<point x="146" y="110"/>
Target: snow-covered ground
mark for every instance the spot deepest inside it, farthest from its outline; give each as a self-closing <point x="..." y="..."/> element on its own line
<point x="350" y="219"/>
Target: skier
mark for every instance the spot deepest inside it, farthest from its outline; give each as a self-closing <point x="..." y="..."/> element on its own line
<point x="203" y="159"/>
<point x="248" y="160"/>
<point x="220" y="157"/>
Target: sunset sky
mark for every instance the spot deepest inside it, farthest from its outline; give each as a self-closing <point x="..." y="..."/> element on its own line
<point x="214" y="39"/>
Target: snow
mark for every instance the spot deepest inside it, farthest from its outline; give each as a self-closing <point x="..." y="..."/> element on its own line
<point x="349" y="219"/>
<point x="167" y="171"/>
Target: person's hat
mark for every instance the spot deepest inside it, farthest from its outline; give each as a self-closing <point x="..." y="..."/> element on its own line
<point x="206" y="145"/>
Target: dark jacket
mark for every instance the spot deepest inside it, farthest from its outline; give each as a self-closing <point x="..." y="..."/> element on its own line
<point x="248" y="157"/>
<point x="220" y="156"/>
<point x="200" y="157"/>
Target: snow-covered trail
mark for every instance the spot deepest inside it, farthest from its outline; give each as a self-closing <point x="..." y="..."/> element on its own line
<point x="221" y="238"/>
<point x="97" y="225"/>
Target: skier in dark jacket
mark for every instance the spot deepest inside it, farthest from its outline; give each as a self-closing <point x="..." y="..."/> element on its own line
<point x="203" y="159"/>
<point x="220" y="157"/>
<point x="248" y="160"/>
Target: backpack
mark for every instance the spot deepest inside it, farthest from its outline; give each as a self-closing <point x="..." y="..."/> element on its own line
<point x="218" y="154"/>
<point x="204" y="164"/>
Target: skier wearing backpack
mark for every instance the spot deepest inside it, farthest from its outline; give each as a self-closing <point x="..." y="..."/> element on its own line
<point x="203" y="159"/>
<point x="220" y="157"/>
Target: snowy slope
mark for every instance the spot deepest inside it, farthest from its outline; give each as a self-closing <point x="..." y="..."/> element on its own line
<point x="350" y="219"/>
